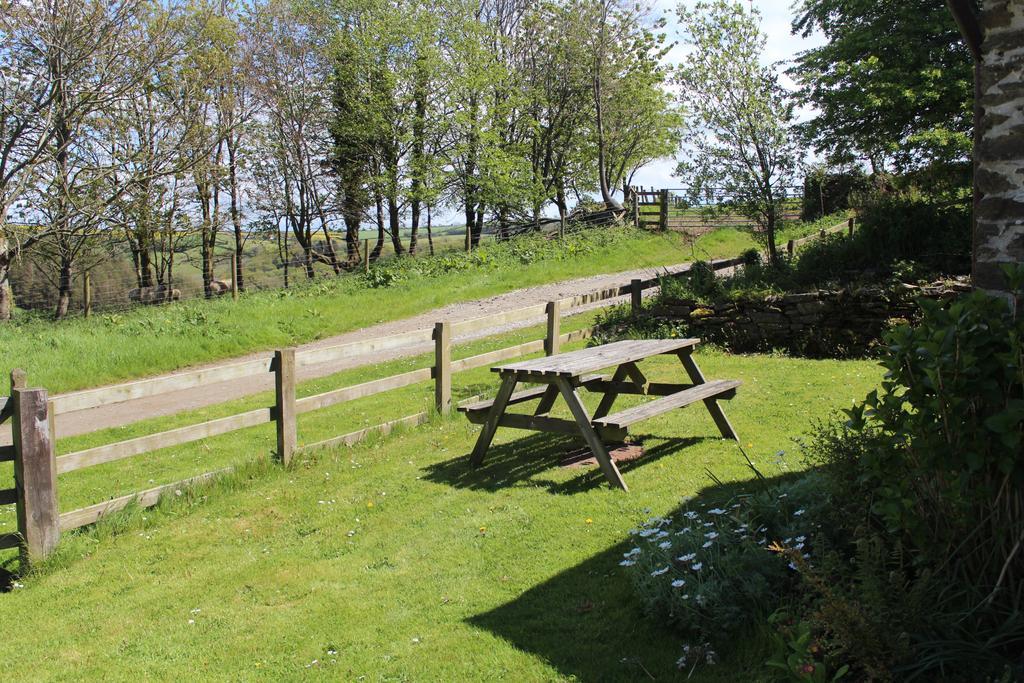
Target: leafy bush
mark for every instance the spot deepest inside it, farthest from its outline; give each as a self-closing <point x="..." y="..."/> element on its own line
<point x="926" y="483"/>
<point x="826" y="193"/>
<point x="710" y="572"/>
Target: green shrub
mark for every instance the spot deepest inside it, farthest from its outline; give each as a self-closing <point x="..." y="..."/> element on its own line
<point x="710" y="572"/>
<point x="826" y="193"/>
<point x="926" y="488"/>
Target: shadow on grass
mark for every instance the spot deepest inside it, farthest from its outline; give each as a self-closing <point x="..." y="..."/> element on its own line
<point x="524" y="462"/>
<point x="588" y="623"/>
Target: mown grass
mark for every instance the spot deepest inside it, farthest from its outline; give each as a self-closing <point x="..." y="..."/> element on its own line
<point x="393" y="560"/>
<point x="79" y="352"/>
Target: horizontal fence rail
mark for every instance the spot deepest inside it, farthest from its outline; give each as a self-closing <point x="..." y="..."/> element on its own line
<point x="40" y="464"/>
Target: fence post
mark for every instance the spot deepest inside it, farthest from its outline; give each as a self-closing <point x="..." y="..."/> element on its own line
<point x="284" y="389"/>
<point x="822" y="233"/>
<point x="552" y="341"/>
<point x="366" y="256"/>
<point x="443" y="367"/>
<point x="790" y="248"/>
<point x="663" y="218"/>
<point x="636" y="292"/>
<point x="234" y="275"/>
<point x="35" y="473"/>
<point x="87" y="295"/>
<point x="850" y="224"/>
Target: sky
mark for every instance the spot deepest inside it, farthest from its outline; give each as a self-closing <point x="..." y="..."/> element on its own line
<point x="776" y="19"/>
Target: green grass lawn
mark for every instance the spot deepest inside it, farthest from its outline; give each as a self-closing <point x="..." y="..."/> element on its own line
<point x="79" y="353"/>
<point x="393" y="560"/>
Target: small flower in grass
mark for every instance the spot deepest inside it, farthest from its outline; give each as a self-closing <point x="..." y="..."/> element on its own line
<point x="665" y="545"/>
<point x="369" y="504"/>
<point x="711" y="534"/>
<point x="707" y="524"/>
<point x="793" y="567"/>
<point x="691" y="515"/>
<point x="799" y="512"/>
<point x="589" y="520"/>
<point x="708" y="544"/>
<point x="678" y="583"/>
<point x="688" y="557"/>
<point x="807" y="669"/>
<point x="627" y="563"/>
<point x="659" y="572"/>
<point x="647" y="533"/>
<point x="632" y="553"/>
<point x="483" y="530"/>
<point x="801" y="539"/>
<point x="697" y="566"/>
<point x="716" y="511"/>
<point x="798" y="546"/>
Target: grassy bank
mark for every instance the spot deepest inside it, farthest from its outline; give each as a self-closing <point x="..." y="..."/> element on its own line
<point x="393" y="560"/>
<point x="80" y="352"/>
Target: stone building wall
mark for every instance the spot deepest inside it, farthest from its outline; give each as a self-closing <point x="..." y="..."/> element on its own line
<point x="999" y="153"/>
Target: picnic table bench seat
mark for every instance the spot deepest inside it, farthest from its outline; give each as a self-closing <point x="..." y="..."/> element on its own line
<point x="615" y="426"/>
<point x="477" y="410"/>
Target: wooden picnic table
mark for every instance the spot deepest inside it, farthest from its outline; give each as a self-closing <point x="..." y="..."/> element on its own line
<point x="562" y="375"/>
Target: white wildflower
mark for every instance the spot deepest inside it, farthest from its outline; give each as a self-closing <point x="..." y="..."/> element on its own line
<point x="711" y="535"/>
<point x="666" y="545"/>
<point x="659" y="572"/>
<point x="799" y="512"/>
<point x="678" y="583"/>
<point x="697" y="566"/>
<point x="687" y="557"/>
<point x="716" y="511"/>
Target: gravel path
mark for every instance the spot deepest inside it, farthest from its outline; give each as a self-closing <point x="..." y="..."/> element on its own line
<point x="115" y="415"/>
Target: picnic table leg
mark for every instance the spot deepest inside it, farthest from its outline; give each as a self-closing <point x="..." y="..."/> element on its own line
<point x="579" y="413"/>
<point x="547" y="401"/>
<point x="717" y="414"/>
<point x="483" y="442"/>
<point x="626" y="370"/>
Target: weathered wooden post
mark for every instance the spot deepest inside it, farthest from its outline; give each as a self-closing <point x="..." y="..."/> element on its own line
<point x="443" y="367"/>
<point x="87" y="295"/>
<point x="552" y="342"/>
<point x="850" y="226"/>
<point x="636" y="292"/>
<point x="234" y="275"/>
<point x="663" y="218"/>
<point x="284" y="389"/>
<point x="35" y="470"/>
<point x="821" y="233"/>
<point x="366" y="256"/>
<point x="790" y="248"/>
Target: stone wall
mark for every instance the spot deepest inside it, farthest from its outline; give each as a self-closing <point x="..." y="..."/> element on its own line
<point x="820" y="324"/>
<point x="999" y="142"/>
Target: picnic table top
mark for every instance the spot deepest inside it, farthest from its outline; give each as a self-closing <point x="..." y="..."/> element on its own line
<point x="576" y="363"/>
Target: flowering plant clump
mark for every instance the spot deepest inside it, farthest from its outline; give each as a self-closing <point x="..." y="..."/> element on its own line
<point x="713" y="571"/>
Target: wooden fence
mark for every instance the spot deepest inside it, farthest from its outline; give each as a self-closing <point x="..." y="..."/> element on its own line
<point x="34" y="413"/>
<point x="671" y="209"/>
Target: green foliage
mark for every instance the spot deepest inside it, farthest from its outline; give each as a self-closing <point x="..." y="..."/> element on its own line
<point x="951" y="422"/>
<point x="712" y="571"/>
<point x="797" y="654"/>
<point x="827" y="193"/>
<point x="926" y="482"/>
<point x="893" y="82"/>
<point x="739" y="120"/>
<point x="517" y="252"/>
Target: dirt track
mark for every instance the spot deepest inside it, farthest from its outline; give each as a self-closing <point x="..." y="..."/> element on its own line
<point x="115" y="415"/>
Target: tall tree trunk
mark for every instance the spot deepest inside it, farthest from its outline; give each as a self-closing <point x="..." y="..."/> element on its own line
<point x="236" y="209"/>
<point x="379" y="247"/>
<point x="393" y="221"/>
<point x="6" y="297"/>
<point x="430" y="236"/>
<point x="63" y="289"/>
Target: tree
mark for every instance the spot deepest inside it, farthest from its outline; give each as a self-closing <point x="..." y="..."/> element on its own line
<point x="291" y="76"/>
<point x="739" y="138"/>
<point x="26" y="104"/>
<point x="893" y="84"/>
